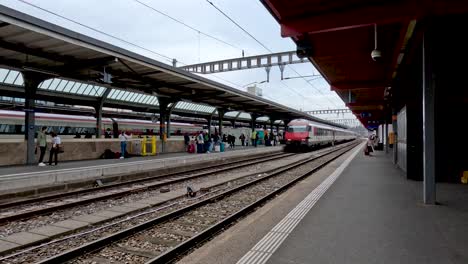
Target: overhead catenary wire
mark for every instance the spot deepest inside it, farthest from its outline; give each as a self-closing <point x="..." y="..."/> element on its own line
<point x="169" y="59"/>
<point x="269" y="50"/>
<point x="211" y="3"/>
<point x="186" y="25"/>
<point x="96" y="30"/>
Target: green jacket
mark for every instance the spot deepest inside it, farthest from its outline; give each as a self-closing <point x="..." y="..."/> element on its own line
<point x="41" y="139"/>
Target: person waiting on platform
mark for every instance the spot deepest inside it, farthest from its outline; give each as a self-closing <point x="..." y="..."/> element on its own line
<point x="42" y="144"/>
<point x="253" y="137"/>
<point x="242" y="139"/>
<point x="54" y="150"/>
<point x="200" y="142"/>
<point x="370" y="145"/>
<point x="256" y="139"/>
<point x="123" y="143"/>
<point x="108" y="133"/>
<point x="88" y="134"/>
<point x="186" y="140"/>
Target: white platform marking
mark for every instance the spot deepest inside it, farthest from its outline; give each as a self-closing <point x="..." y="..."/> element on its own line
<point x="263" y="250"/>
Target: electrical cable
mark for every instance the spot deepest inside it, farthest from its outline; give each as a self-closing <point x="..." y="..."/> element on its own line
<point x="186" y="25"/>
<point x="269" y="50"/>
<point x="211" y="3"/>
<point x="96" y="30"/>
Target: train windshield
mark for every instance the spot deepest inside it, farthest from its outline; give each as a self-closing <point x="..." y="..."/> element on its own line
<point x="297" y="129"/>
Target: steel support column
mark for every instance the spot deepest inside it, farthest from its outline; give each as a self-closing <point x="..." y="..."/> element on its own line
<point x="386" y="137"/>
<point x="428" y="120"/>
<point x="253" y="120"/>
<point x="395" y="136"/>
<point x="163" y="111"/>
<point x="168" y="121"/>
<point x="98" y="109"/>
<point x="98" y="121"/>
<point x="221" y="113"/>
<point x="31" y="82"/>
<point x="210" y="120"/>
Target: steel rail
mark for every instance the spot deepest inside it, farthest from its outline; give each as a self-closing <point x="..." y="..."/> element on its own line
<point x="223" y="167"/>
<point x="169" y="255"/>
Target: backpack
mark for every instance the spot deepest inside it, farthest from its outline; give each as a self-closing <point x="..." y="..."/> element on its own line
<point x="108" y="154"/>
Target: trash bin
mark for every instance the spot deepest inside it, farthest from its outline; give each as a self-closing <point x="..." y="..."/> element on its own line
<point x="217" y="148"/>
<point x="221" y="147"/>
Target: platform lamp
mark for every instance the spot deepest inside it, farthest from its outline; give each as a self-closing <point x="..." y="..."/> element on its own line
<point x="376" y="54"/>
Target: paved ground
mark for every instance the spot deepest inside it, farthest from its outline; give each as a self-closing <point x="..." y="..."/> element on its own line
<point x="371" y="214"/>
<point x="87" y="163"/>
<point x="231" y="245"/>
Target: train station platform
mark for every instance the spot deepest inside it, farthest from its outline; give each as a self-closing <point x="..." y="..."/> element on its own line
<point x="364" y="212"/>
<point x="34" y="178"/>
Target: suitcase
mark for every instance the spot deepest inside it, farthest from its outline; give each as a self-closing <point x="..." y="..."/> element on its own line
<point x="191" y="148"/>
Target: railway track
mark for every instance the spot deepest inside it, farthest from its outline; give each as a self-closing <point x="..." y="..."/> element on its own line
<point x="24" y="209"/>
<point x="164" y="238"/>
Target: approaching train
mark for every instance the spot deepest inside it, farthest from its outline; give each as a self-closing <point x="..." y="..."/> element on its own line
<point x="304" y="135"/>
<point x="12" y="125"/>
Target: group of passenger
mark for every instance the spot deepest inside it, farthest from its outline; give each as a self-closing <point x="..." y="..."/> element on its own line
<point x="42" y="145"/>
<point x="203" y="142"/>
<point x="269" y="139"/>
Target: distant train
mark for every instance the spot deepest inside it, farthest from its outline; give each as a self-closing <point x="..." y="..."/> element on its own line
<point x="304" y="135"/>
<point x="12" y="125"/>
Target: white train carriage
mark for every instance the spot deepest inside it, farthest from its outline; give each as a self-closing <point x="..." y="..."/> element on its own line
<point x="307" y="134"/>
<point x="12" y="125"/>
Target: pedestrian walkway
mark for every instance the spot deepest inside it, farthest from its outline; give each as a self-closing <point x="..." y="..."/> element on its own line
<point x="96" y="162"/>
<point x="26" y="179"/>
<point x="373" y="214"/>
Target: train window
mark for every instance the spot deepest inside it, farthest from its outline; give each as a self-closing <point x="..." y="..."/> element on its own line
<point x="4" y="128"/>
<point x="297" y="128"/>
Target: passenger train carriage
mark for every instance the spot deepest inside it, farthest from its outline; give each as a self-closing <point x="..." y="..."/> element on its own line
<point x="304" y="134"/>
<point x="12" y="125"/>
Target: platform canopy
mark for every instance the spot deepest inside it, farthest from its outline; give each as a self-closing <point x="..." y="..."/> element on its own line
<point x="339" y="36"/>
<point x="28" y="44"/>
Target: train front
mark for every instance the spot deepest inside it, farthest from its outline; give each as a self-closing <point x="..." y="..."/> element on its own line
<point x="297" y="136"/>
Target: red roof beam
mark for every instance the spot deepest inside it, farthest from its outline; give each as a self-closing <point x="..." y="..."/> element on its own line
<point x="348" y="19"/>
<point x="358" y="85"/>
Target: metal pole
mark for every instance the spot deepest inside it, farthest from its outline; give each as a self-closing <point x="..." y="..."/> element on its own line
<point x="395" y="137"/>
<point x="253" y="120"/>
<point x="209" y="125"/>
<point x="386" y="137"/>
<point x="31" y="82"/>
<point x="162" y="122"/>
<point x="98" y="121"/>
<point x="428" y="122"/>
<point x="220" y="122"/>
<point x="168" y="126"/>
<point x="30" y="129"/>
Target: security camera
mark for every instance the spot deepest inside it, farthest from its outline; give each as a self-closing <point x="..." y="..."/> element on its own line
<point x="304" y="49"/>
<point x="376" y="55"/>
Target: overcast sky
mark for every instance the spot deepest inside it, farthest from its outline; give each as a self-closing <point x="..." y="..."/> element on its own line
<point x="133" y="22"/>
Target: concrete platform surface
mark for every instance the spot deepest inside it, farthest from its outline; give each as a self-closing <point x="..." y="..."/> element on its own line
<point x="40" y="179"/>
<point x="372" y="214"/>
<point x="5" y="170"/>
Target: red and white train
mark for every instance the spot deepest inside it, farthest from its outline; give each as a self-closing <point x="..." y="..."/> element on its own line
<point x="303" y="135"/>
